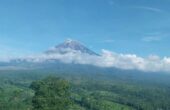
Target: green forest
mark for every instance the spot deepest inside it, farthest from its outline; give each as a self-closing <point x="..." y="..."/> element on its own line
<point x="42" y="90"/>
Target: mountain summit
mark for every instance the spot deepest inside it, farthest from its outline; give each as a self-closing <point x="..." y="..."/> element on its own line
<point x="70" y="46"/>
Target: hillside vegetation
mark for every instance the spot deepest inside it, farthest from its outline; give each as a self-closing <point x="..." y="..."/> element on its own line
<point x="39" y="90"/>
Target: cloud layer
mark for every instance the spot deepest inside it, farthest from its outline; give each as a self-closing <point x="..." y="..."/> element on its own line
<point x="108" y="59"/>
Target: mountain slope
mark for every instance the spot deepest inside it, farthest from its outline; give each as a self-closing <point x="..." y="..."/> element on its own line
<point x="70" y="46"/>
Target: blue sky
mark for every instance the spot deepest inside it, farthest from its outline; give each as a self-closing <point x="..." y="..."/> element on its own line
<point x="139" y="27"/>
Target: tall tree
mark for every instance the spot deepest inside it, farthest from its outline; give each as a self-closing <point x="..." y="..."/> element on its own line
<point x="51" y="94"/>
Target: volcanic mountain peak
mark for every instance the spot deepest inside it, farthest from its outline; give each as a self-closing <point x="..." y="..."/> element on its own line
<point x="70" y="45"/>
<point x="70" y="41"/>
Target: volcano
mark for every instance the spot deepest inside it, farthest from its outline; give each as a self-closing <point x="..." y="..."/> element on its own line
<point x="70" y="46"/>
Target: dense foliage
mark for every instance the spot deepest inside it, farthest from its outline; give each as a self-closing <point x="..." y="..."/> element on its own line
<point x="51" y="94"/>
<point x="90" y="91"/>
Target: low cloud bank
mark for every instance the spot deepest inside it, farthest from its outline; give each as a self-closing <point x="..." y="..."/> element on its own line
<point x="107" y="59"/>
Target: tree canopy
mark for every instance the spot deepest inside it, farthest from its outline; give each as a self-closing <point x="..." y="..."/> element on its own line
<point x="51" y="93"/>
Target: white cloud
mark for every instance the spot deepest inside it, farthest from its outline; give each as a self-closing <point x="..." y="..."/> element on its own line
<point x="151" y="63"/>
<point x="151" y="38"/>
<point x="152" y="9"/>
<point x="107" y="58"/>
